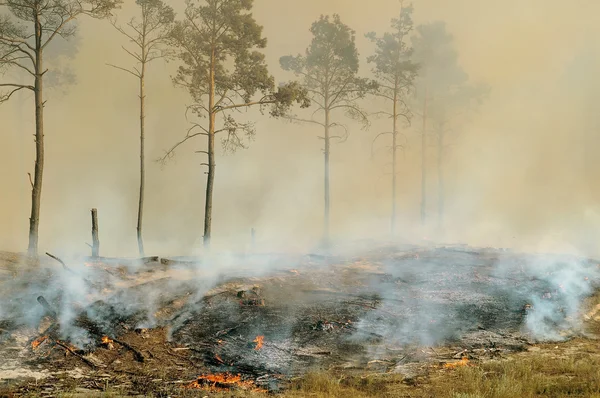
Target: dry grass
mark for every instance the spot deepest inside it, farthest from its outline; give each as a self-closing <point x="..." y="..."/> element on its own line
<point x="573" y="370"/>
<point x="570" y="369"/>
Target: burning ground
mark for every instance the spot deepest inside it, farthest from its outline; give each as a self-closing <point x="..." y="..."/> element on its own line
<point x="258" y="322"/>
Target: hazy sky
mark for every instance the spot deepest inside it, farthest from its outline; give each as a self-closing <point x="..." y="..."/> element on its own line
<point x="521" y="173"/>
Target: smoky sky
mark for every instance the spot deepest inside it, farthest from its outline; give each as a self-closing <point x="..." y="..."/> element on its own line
<point x="519" y="173"/>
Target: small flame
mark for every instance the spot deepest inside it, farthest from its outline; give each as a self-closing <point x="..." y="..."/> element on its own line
<point x="451" y="365"/>
<point x="106" y="340"/>
<point x="259" y="342"/>
<point x="222" y="382"/>
<point x="35" y="343"/>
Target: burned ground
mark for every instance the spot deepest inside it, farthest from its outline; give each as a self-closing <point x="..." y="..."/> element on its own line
<point x="270" y="318"/>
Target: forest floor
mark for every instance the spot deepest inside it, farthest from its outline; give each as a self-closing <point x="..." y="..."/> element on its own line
<point x="388" y="322"/>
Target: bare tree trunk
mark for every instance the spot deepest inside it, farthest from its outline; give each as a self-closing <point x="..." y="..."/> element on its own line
<point x="440" y="167"/>
<point x="211" y="153"/>
<point x="327" y="197"/>
<point x="394" y="147"/>
<point x="142" y="166"/>
<point x="424" y="164"/>
<point x="95" y="239"/>
<point x="36" y="193"/>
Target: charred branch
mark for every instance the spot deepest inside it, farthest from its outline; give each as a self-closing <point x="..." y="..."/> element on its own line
<point x="71" y="351"/>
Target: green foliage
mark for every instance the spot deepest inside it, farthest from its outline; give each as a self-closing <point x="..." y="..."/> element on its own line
<point x="447" y="85"/>
<point x="393" y="67"/>
<point x="392" y="58"/>
<point x="149" y="35"/>
<point x="55" y="18"/>
<point x="222" y="35"/>
<point x="329" y="69"/>
<point x="435" y="52"/>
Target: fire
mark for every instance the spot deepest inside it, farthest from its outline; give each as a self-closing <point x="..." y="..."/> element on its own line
<point x="35" y="343"/>
<point x="451" y="365"/>
<point x="259" y="342"/>
<point x="222" y="382"/>
<point x="107" y="342"/>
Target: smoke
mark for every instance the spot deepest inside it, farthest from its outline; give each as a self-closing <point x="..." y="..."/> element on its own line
<point x="538" y="116"/>
<point x="520" y="173"/>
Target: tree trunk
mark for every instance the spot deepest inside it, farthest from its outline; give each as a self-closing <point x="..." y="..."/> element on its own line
<point x="95" y="239"/>
<point x="440" y="165"/>
<point x="211" y="153"/>
<point x="424" y="164"/>
<point x="36" y="193"/>
<point x="142" y="166"/>
<point x="327" y="197"/>
<point x="394" y="147"/>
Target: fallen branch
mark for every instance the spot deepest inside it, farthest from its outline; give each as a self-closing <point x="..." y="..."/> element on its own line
<point x="136" y="353"/>
<point x="70" y="270"/>
<point x="61" y="262"/>
<point x="70" y="350"/>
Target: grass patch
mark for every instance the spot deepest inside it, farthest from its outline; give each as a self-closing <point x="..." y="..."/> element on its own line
<point x="570" y="369"/>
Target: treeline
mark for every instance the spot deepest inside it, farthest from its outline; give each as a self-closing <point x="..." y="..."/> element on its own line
<point x="217" y="43"/>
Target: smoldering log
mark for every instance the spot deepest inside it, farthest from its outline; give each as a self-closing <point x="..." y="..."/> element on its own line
<point x="49" y="310"/>
<point x="95" y="240"/>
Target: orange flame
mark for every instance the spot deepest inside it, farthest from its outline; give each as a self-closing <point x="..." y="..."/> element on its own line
<point x="35" y="343"/>
<point x="222" y="382"/>
<point x="106" y="340"/>
<point x="259" y="342"/>
<point x="451" y="365"/>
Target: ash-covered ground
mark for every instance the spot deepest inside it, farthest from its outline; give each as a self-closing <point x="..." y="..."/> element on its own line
<point x="269" y="317"/>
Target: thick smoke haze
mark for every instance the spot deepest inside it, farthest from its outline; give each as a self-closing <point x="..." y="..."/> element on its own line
<point x="519" y="174"/>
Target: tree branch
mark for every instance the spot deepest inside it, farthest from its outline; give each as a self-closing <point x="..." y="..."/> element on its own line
<point x="169" y="154"/>
<point x="59" y="28"/>
<point x="375" y="139"/>
<point x="245" y="105"/>
<point x="125" y="70"/>
<point x="16" y="42"/>
<point x="296" y="119"/>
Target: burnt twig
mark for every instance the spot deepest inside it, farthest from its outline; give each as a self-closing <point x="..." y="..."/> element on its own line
<point x="136" y="353"/>
<point x="89" y="283"/>
<point x="70" y="350"/>
<point x="61" y="262"/>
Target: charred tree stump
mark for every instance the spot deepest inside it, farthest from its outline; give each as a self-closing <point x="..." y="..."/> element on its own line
<point x="47" y="308"/>
<point x="95" y="241"/>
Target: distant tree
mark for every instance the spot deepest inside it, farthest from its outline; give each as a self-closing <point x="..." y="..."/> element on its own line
<point x="223" y="71"/>
<point x="26" y="29"/>
<point x="395" y="73"/>
<point x="329" y="72"/>
<point x="149" y="36"/>
<point x="444" y="114"/>
<point x="445" y="91"/>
